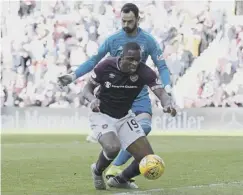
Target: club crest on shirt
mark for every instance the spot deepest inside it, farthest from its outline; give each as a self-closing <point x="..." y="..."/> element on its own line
<point x="104" y="126"/>
<point x="134" y="78"/>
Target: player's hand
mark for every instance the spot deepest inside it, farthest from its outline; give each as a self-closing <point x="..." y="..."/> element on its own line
<point x="66" y="79"/>
<point x="171" y="110"/>
<point x="94" y="105"/>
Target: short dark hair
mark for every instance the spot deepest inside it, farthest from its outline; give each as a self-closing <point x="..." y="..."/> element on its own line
<point x="130" y="7"/>
<point x="130" y="46"/>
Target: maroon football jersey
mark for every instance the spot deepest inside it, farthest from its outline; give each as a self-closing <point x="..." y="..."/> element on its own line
<point x="118" y="90"/>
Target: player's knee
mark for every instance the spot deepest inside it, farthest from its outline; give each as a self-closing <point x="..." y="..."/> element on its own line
<point x="146" y="125"/>
<point x="140" y="148"/>
<point x="112" y="150"/>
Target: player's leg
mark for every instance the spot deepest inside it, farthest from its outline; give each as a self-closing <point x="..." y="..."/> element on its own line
<point x="105" y="133"/>
<point x="139" y="149"/>
<point x="132" y="139"/>
<point x="144" y="119"/>
<point x="110" y="148"/>
<point x="142" y="108"/>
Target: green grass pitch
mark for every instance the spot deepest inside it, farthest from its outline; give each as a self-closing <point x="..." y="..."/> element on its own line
<point x="60" y="165"/>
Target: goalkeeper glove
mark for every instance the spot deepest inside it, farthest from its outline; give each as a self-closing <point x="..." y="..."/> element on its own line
<point x="66" y="79"/>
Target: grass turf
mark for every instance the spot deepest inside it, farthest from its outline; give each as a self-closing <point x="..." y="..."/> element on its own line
<point x="60" y="165"/>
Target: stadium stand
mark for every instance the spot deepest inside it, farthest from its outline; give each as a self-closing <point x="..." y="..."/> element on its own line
<point x="44" y="40"/>
<point x="215" y="79"/>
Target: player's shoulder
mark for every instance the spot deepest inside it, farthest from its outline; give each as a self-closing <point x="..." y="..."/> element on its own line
<point x="146" y="67"/>
<point x="107" y="62"/>
<point x="145" y="70"/>
<point x="116" y="35"/>
<point x="147" y="35"/>
<point x="110" y="60"/>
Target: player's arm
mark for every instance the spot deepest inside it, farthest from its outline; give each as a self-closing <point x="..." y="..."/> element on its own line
<point x="165" y="99"/>
<point x="89" y="90"/>
<point x="87" y="66"/>
<point x="157" y="57"/>
<point x="94" y="81"/>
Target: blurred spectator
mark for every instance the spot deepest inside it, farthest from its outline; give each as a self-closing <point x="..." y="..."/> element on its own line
<point x="26" y="7"/>
<point x="224" y="86"/>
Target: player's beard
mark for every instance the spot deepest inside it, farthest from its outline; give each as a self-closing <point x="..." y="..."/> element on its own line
<point x="130" y="30"/>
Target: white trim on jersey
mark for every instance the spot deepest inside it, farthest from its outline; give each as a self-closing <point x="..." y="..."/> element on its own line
<point x="93" y="81"/>
<point x="156" y="87"/>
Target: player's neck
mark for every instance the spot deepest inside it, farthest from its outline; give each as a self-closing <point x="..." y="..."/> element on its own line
<point x="133" y="34"/>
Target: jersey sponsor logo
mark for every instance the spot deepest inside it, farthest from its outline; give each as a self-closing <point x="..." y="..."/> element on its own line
<point x="124" y="86"/>
<point x="111" y="75"/>
<point x="109" y="85"/>
<point x="134" y="78"/>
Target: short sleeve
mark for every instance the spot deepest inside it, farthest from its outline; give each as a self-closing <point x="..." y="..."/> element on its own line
<point x="97" y="73"/>
<point x="152" y="80"/>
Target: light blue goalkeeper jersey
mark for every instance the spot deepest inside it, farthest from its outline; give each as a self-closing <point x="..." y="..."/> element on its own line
<point x="113" y="45"/>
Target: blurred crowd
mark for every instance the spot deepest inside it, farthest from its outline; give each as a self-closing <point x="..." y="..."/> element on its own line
<point x="223" y="87"/>
<point x="48" y="39"/>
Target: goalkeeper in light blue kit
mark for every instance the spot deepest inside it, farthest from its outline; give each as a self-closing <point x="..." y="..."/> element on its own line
<point x="113" y="45"/>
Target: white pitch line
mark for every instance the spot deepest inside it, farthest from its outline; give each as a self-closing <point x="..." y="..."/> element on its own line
<point x="145" y="192"/>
